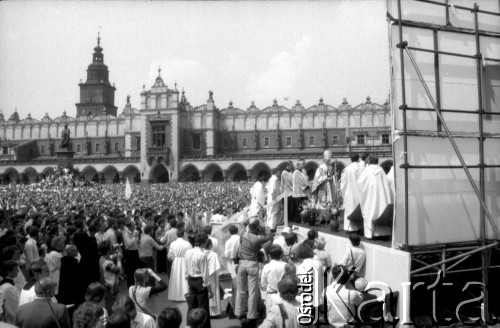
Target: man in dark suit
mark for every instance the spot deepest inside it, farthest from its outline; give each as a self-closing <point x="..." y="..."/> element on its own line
<point x="71" y="281"/>
<point x="87" y="246"/>
<point x="38" y="314"/>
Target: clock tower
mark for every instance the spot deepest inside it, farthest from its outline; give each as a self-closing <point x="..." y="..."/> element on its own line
<point x="97" y="95"/>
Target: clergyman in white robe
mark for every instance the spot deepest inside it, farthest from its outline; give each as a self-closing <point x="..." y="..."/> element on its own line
<point x="350" y="193"/>
<point x="213" y="277"/>
<point x="275" y="212"/>
<point x="178" y="285"/>
<point x="376" y="196"/>
<point x="258" y="201"/>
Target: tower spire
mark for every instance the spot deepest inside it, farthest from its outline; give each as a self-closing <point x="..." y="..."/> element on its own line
<point x="99" y="36"/>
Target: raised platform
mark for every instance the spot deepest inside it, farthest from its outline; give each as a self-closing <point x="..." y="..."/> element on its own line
<point x="387" y="242"/>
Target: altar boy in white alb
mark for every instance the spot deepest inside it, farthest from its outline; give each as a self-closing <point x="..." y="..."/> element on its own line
<point x="353" y="220"/>
<point x="376" y="198"/>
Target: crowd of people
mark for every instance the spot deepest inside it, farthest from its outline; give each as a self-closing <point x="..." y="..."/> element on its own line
<point x="89" y="255"/>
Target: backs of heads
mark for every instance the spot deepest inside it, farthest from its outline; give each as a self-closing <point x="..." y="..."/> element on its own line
<point x="373" y="159"/>
<point x="290" y="239"/>
<point x="125" y="304"/>
<point x="46" y="287"/>
<point x="170" y="317"/>
<point x="275" y="252"/>
<point x="33" y="231"/>
<point x="104" y="247"/>
<point x="173" y="223"/>
<point x="94" y="293"/>
<point x="312" y="234"/>
<point x="207" y="229"/>
<point x="254" y="224"/>
<point x="364" y="156"/>
<point x="71" y="250"/>
<point x="148" y="229"/>
<point x="287" y="288"/>
<point x="209" y="244"/>
<point x="233" y="230"/>
<point x="197" y="317"/>
<point x="200" y="239"/>
<point x="355" y="239"/>
<point x="340" y="273"/>
<point x="180" y="232"/>
<point x="87" y="315"/>
<point x="290" y="269"/>
<point x="141" y="277"/>
<point x="304" y="252"/>
<point x="355" y="158"/>
<point x="119" y="319"/>
<point x="57" y="244"/>
<point x="8" y="267"/>
<point x="38" y="267"/>
<point x="320" y="243"/>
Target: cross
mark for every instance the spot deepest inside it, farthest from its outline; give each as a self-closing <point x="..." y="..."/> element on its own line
<point x="99" y="35"/>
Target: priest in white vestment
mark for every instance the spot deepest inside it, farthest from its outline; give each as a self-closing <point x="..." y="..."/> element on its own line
<point x="178" y="285"/>
<point x="287" y="187"/>
<point x="213" y="277"/>
<point x="258" y="195"/>
<point x="324" y="186"/>
<point x="350" y="193"/>
<point x="376" y="196"/>
<point x="300" y="190"/>
<point x="275" y="212"/>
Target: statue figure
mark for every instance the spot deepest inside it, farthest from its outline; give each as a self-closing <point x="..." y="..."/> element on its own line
<point x="324" y="186"/>
<point x="65" y="136"/>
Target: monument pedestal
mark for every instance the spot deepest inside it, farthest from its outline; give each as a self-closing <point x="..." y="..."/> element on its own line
<point x="65" y="159"/>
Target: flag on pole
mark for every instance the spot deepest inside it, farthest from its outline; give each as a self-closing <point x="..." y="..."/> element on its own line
<point x="128" y="190"/>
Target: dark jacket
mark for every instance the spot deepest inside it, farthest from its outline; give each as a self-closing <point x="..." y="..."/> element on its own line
<point x="37" y="314"/>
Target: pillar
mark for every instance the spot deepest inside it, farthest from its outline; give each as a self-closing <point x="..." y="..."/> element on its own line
<point x="122" y="176"/>
<point x="202" y="173"/>
<point x="100" y="177"/>
<point x="249" y="175"/>
<point x="224" y="174"/>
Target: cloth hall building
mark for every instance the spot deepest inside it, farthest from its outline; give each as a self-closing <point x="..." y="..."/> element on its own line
<point x="168" y="139"/>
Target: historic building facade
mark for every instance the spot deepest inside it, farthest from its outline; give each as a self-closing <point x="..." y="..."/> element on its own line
<point x="168" y="139"/>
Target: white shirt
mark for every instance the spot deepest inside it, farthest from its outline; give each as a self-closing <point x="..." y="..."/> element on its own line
<point x="215" y="242"/>
<point x="142" y="320"/>
<point x="280" y="241"/>
<point x="271" y="275"/>
<point x="28" y="296"/>
<point x="356" y="258"/>
<point x="197" y="264"/>
<point x="31" y="250"/>
<point x="232" y="245"/>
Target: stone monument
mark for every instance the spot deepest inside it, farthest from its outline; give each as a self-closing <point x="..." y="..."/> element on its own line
<point x="65" y="154"/>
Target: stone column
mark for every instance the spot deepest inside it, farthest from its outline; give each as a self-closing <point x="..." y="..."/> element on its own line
<point x="249" y="175"/>
<point x="100" y="177"/>
<point x="2" y="178"/>
<point x="224" y="174"/>
<point x="122" y="176"/>
<point x="23" y="179"/>
<point x="202" y="173"/>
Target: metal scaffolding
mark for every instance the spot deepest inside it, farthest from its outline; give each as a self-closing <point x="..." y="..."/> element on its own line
<point x="431" y="260"/>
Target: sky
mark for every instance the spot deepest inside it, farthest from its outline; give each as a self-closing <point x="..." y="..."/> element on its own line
<point x="242" y="51"/>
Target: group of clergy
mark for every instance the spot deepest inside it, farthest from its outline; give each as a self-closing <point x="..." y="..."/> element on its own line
<point x="367" y="193"/>
<point x="368" y="197"/>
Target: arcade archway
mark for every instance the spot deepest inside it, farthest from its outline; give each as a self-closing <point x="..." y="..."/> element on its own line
<point x="11" y="176"/>
<point x="110" y="174"/>
<point x="213" y="173"/>
<point x="132" y="173"/>
<point x="261" y="170"/>
<point x="237" y="172"/>
<point x="90" y="173"/>
<point x="311" y="169"/>
<point x="31" y="175"/>
<point x="190" y="174"/>
<point x="159" y="174"/>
